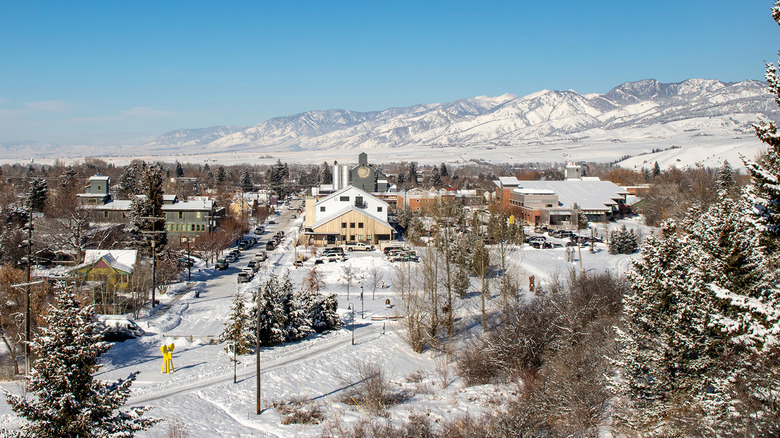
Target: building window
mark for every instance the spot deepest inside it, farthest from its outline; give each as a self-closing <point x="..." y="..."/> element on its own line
<point x="379" y="209"/>
<point x="360" y="237"/>
<point x="343" y="225"/>
<point x="368" y="237"/>
<point x="344" y="198"/>
<point x="352" y="225"/>
<point x="100" y="188"/>
<point x="322" y="209"/>
<point x="343" y="237"/>
<point x="181" y="215"/>
<point x="197" y="215"/>
<point x="105" y="214"/>
<point x="360" y="224"/>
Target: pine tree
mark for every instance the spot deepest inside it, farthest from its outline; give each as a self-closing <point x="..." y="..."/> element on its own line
<point x="412" y="174"/>
<point x="443" y="170"/>
<point x="221" y="176"/>
<point x="656" y="169"/>
<point x="128" y="181"/>
<point x="623" y="241"/>
<point x="326" y="176"/>
<point x="322" y="313"/>
<point x="239" y="327"/>
<point x="705" y="311"/>
<point x="179" y="170"/>
<point x="37" y="195"/>
<point x="273" y="319"/>
<point x="147" y="221"/>
<point x="69" y="401"/>
<point x="725" y="180"/>
<point x="245" y="180"/>
<point x="436" y="180"/>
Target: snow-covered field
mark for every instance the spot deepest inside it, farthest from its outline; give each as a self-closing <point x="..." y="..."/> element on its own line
<point x="201" y="394"/>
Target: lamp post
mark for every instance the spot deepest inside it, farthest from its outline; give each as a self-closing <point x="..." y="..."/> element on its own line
<point x="361" y="301"/>
<point x="352" y="308"/>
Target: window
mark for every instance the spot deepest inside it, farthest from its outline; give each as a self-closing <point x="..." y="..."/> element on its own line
<point x="360" y="224"/>
<point x="358" y="200"/>
<point x="360" y="237"/>
<point x="343" y="225"/>
<point x="181" y="215"/>
<point x="105" y="214"/>
<point x="322" y="208"/>
<point x="368" y="237"/>
<point x="379" y="209"/>
<point x="100" y="188"/>
<point x="352" y="225"/>
<point x="197" y="215"/>
<point x="344" y="198"/>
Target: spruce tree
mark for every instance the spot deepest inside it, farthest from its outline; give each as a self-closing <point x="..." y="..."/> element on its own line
<point x="179" y="170"/>
<point x="443" y="172"/>
<point x="37" y="195"/>
<point x="69" y="401"/>
<point x="147" y="220"/>
<point x="239" y="327"/>
<point x="128" y="181"/>
<point x="436" y="180"/>
<point x="245" y="180"/>
<point x="326" y="175"/>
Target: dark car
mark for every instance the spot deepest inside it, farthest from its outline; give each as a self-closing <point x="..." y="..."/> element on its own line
<point x="271" y="245"/>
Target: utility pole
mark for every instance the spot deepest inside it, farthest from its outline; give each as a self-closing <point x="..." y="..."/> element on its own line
<point x="27" y="316"/>
<point x="257" y="350"/>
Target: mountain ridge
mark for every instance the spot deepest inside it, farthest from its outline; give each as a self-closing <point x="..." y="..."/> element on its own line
<point x="505" y="118"/>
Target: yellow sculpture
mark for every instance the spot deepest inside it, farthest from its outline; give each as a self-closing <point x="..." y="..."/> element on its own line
<point x="167" y="351"/>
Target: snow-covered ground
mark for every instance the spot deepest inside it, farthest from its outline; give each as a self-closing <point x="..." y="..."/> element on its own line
<point x="201" y="393"/>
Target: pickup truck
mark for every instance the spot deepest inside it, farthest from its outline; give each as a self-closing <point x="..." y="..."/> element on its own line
<point x="359" y="246"/>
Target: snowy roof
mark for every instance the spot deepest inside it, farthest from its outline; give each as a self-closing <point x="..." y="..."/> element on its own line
<point x="351" y="188"/>
<point x="525" y="191"/>
<point x="588" y="195"/>
<point x="504" y="181"/>
<point x="118" y="205"/>
<point x="345" y="210"/>
<point x="120" y="259"/>
<point x="196" y="205"/>
<point x="98" y="178"/>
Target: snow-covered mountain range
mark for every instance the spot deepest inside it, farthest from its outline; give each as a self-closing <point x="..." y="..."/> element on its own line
<point x="505" y="120"/>
<point x="697" y="121"/>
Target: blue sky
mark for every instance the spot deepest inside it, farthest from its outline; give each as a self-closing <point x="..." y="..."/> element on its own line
<point x="114" y="72"/>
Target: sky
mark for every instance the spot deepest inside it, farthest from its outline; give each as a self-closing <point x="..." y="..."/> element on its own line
<point x="125" y="72"/>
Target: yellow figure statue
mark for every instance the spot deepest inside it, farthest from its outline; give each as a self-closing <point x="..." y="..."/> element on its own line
<point x="167" y="351"/>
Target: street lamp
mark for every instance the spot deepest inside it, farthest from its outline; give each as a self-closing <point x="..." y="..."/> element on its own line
<point x="352" y="308"/>
<point x="189" y="262"/>
<point x="361" y="301"/>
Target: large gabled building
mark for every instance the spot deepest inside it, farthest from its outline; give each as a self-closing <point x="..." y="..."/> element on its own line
<point x="347" y="215"/>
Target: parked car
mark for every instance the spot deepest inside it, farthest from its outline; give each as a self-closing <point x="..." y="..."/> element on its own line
<point x="254" y="265"/>
<point x="259" y="230"/>
<point x="358" y="246"/>
<point x="243" y="277"/>
<point x="270" y="245"/>
<point x="388" y="249"/>
<point x="261" y="256"/>
<point x="231" y="258"/>
<point x="332" y="250"/>
<point x="271" y="222"/>
<point x="298" y="263"/>
<point x="331" y="257"/>
<point x="221" y="265"/>
<point x="117" y="328"/>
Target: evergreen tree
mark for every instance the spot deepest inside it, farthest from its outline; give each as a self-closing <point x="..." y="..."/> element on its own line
<point x="765" y="171"/>
<point x="128" y="181"/>
<point x="273" y="319"/>
<point x="279" y="173"/>
<point x="245" y="180"/>
<point x="69" y="401"/>
<point x="147" y="221"/>
<point x="443" y="172"/>
<point x="221" y="176"/>
<point x="326" y="175"/>
<point x="725" y="180"/>
<point x="656" y="169"/>
<point x="322" y="313"/>
<point x="179" y="170"/>
<point x="37" y="195"/>
<point x="436" y="180"/>
<point x="623" y="241"/>
<point x="412" y="174"/>
<point x="239" y="327"/>
<point x="705" y="311"/>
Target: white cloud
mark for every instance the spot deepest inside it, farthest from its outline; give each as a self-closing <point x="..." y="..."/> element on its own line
<point x="49" y="106"/>
<point x="147" y="111"/>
